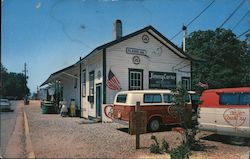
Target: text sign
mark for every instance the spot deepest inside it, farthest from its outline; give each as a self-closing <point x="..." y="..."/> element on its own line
<point x="162" y="80"/>
<point x="235" y="117"/>
<point x="138" y="122"/>
<point x="136" y="51"/>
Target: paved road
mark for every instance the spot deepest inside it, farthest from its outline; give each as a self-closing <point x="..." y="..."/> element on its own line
<point x="8" y="120"/>
<point x="12" y="132"/>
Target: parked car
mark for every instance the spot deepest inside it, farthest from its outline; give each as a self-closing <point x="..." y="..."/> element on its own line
<point x="5" y="105"/>
<point x="225" y="111"/>
<point x="157" y="103"/>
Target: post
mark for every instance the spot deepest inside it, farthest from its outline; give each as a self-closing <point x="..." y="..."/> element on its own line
<point x="137" y="135"/>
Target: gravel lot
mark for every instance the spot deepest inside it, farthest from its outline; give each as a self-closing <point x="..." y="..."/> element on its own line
<point x="54" y="136"/>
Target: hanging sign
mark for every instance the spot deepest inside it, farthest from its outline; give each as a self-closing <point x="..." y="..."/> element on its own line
<point x="162" y="80"/>
<point x="136" y="51"/>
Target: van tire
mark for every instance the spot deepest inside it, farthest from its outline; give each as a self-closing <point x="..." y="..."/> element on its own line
<point x="154" y="124"/>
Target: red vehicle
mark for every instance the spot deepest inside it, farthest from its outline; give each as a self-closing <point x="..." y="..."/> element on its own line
<point x="157" y="104"/>
<point x="225" y="111"/>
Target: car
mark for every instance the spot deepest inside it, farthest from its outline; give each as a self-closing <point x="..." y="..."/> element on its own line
<point x="5" y="105"/>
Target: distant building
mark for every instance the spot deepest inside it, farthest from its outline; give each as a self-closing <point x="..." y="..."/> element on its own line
<point x="144" y="59"/>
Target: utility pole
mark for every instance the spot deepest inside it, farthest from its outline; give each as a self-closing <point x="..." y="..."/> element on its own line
<point x="25" y="84"/>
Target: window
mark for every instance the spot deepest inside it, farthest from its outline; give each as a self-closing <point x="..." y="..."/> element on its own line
<point x="229" y="98"/>
<point x="244" y="99"/>
<point x="75" y="81"/>
<point x="152" y="98"/>
<point x="121" y="98"/>
<point x="135" y="79"/>
<point x="186" y="82"/>
<point x="84" y="83"/>
<point x="167" y="98"/>
<point x="91" y="83"/>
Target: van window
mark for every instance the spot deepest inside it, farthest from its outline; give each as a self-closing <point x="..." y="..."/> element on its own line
<point x="167" y="98"/>
<point x="121" y="98"/>
<point x="152" y="98"/>
<point x="245" y="99"/>
<point x="229" y="98"/>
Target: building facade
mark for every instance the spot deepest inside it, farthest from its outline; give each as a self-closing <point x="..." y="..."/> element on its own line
<point x="141" y="60"/>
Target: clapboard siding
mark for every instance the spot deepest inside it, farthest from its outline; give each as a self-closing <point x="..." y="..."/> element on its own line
<point x="93" y="63"/>
<point x="119" y="61"/>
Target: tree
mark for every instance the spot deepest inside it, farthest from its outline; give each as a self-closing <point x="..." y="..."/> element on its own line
<point x="226" y="58"/>
<point x="13" y="84"/>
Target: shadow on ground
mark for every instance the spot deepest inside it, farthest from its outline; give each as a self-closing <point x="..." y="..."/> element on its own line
<point x="227" y="140"/>
<point x="162" y="129"/>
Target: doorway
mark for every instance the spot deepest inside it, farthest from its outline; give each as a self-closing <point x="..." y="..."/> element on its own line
<point x="98" y="100"/>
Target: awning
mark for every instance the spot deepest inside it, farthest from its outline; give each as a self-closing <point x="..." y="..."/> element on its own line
<point x="56" y="75"/>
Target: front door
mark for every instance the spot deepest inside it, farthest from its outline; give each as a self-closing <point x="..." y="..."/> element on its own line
<point x="98" y="100"/>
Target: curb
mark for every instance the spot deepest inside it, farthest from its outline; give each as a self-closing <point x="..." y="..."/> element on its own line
<point x="29" y="148"/>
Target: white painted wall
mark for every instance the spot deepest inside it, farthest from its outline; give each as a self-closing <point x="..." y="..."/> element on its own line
<point x="93" y="63"/>
<point x="119" y="62"/>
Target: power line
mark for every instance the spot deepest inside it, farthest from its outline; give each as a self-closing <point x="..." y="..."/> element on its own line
<point x="232" y="13"/>
<point x="194" y="19"/>
<point x="243" y="33"/>
<point x="240" y="20"/>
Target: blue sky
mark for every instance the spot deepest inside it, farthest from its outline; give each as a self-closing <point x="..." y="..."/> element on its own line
<point x="52" y="34"/>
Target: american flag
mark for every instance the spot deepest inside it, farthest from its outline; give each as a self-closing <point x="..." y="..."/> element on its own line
<point x="203" y="85"/>
<point x="113" y="82"/>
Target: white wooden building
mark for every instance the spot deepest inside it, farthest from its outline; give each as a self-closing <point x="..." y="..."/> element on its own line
<point x="144" y="59"/>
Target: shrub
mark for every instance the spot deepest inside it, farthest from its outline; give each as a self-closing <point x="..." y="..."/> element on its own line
<point x="154" y="148"/>
<point x="165" y="146"/>
<point x="181" y="152"/>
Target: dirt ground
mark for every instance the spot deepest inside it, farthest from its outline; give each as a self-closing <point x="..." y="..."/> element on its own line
<point x="54" y="136"/>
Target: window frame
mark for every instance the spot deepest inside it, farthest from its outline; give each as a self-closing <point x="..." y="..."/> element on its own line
<point x="188" y="87"/>
<point x="129" y="78"/>
<point x="91" y="82"/>
<point x="75" y="81"/>
<point x="126" y="95"/>
<point x="153" y="97"/>
<point x="84" y="77"/>
<point x="170" y="102"/>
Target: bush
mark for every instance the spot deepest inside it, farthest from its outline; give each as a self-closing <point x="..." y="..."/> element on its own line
<point x="165" y="146"/>
<point x="181" y="152"/>
<point x="154" y="148"/>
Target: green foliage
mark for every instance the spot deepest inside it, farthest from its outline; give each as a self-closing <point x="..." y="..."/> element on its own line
<point x="154" y="148"/>
<point x="181" y="152"/>
<point x="227" y="59"/>
<point x="165" y="146"/>
<point x="13" y="84"/>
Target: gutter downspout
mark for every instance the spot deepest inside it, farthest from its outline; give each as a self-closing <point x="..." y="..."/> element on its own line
<point x="80" y="87"/>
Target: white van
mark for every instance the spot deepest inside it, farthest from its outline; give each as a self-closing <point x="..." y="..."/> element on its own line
<point x="157" y="103"/>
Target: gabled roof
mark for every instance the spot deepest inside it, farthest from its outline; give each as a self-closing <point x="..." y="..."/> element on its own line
<point x="147" y="29"/>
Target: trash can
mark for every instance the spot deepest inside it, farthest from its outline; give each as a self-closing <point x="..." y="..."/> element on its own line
<point x="72" y="108"/>
<point x="48" y="107"/>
